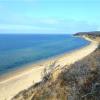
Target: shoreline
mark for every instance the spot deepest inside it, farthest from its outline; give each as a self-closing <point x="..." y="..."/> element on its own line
<point x="26" y="77"/>
<point x="30" y="66"/>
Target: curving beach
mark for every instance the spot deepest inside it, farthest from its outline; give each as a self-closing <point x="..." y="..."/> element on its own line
<point x="23" y="79"/>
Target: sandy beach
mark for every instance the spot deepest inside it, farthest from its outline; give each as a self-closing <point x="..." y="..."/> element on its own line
<point x="32" y="74"/>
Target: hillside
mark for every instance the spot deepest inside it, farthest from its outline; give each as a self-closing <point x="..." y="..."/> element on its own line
<point x="94" y="33"/>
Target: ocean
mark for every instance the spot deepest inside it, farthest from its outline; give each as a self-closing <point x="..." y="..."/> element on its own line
<point x="20" y="49"/>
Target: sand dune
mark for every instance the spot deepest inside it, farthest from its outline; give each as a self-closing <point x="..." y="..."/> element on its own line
<point x="18" y="82"/>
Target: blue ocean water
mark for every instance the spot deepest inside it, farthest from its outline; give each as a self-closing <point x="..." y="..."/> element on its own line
<point x="17" y="50"/>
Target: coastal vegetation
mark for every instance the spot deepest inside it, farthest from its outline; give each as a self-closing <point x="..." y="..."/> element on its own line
<point x="79" y="81"/>
<point x="92" y="34"/>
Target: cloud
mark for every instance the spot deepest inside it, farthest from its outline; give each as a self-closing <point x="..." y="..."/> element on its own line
<point x="6" y="28"/>
<point x="45" y="25"/>
<point x="21" y="27"/>
<point x="18" y="27"/>
<point x="50" y="21"/>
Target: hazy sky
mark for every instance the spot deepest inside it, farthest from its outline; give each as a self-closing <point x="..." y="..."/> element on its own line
<point x="49" y="16"/>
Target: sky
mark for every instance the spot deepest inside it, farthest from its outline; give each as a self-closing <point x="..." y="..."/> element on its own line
<point x="49" y="16"/>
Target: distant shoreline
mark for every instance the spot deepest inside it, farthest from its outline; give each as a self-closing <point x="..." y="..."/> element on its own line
<point x="24" y="78"/>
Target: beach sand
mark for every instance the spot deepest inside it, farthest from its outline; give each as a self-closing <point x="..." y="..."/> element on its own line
<point x="23" y="79"/>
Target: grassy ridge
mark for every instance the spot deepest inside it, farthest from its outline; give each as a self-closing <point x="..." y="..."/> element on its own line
<point x="94" y="33"/>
